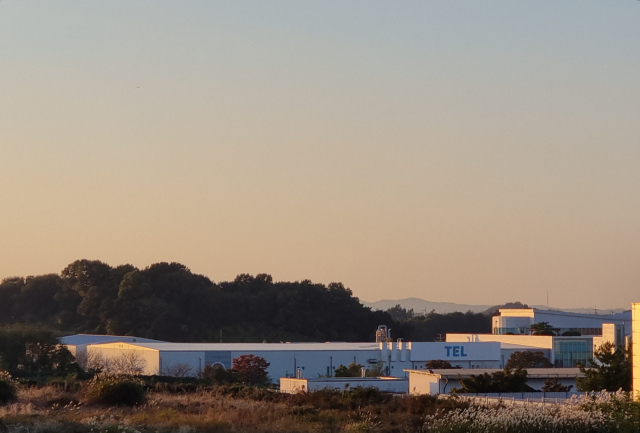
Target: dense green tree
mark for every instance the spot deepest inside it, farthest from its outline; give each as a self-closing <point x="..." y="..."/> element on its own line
<point x="400" y="314"/>
<point x="512" y="305"/>
<point x="30" y="348"/>
<point x="167" y="301"/>
<point x="553" y="385"/>
<point x="439" y="364"/>
<point x="9" y="290"/>
<point x="542" y="328"/>
<point x="507" y="380"/>
<point x="527" y="359"/>
<point x="611" y="370"/>
<point x="218" y="374"/>
<point x="97" y="285"/>
<point x="434" y="326"/>
<point x="352" y="370"/>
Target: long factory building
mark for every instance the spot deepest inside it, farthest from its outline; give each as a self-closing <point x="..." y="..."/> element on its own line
<point x="312" y="360"/>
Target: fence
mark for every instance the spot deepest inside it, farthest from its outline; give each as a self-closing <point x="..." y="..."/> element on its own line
<point x="541" y="397"/>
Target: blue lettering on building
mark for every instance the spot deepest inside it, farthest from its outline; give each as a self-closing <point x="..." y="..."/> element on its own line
<point x="455" y="351"/>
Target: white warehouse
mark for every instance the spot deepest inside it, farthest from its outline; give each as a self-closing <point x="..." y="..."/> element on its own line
<point x="310" y="360"/>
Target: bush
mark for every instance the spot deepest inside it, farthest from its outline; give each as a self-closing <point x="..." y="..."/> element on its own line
<point x="113" y="391"/>
<point x="8" y="388"/>
<point x="363" y="396"/>
<point x="219" y="375"/>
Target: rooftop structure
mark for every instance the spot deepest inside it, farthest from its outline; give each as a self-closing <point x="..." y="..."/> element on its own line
<point x="563" y="352"/>
<point x="519" y="322"/>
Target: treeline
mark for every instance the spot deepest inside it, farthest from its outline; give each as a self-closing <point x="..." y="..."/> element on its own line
<point x="27" y="349"/>
<point x="433" y="326"/>
<point x="166" y="301"/>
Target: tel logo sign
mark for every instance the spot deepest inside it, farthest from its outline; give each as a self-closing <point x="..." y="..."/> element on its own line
<point x="455" y="351"/>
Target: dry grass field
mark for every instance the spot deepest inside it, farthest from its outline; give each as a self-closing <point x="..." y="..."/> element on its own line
<point x="222" y="409"/>
<point x="217" y="409"/>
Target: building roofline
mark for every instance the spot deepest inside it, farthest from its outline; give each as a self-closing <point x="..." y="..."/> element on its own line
<point x="532" y="373"/>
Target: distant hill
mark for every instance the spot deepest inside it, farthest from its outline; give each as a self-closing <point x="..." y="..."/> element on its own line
<point x="420" y="306"/>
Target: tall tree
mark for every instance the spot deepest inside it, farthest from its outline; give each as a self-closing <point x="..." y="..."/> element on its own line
<point x="610" y="372"/>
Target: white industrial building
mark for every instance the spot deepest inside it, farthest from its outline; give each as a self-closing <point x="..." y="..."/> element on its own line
<point x="519" y="321"/>
<point x="574" y="340"/>
<point x="314" y="360"/>
<point x="563" y="352"/>
<point x="309" y="360"/>
<point x="77" y="344"/>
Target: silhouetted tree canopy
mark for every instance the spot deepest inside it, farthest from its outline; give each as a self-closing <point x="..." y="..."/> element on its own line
<point x="527" y="359"/>
<point x="508" y="380"/>
<point x="167" y="301"/>
<point x="439" y="364"/>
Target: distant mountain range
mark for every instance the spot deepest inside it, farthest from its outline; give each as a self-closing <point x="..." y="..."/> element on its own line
<point x="420" y="306"/>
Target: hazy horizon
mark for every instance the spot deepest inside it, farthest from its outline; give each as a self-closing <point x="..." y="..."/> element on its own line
<point x="470" y="152"/>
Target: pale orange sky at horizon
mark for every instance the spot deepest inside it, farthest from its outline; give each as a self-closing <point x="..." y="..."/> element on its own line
<point x="473" y="152"/>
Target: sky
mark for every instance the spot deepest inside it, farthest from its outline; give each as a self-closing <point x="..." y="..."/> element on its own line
<point x="460" y="151"/>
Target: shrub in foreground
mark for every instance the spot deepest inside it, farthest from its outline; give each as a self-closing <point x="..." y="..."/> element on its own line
<point x="8" y="388"/>
<point x="115" y="391"/>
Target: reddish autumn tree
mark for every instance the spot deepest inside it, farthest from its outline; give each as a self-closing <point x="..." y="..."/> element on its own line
<point x="251" y="369"/>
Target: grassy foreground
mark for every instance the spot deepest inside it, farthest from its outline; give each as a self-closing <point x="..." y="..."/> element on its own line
<point x="218" y="409"/>
<point x="56" y="408"/>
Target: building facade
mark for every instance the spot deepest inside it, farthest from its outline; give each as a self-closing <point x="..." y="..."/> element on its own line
<point x="519" y="322"/>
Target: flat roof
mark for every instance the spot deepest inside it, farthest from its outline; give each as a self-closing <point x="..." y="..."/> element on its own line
<point x="82" y="339"/>
<point x="532" y="373"/>
<point x="255" y="347"/>
<point x="625" y="315"/>
<point x="347" y="379"/>
<point x="520" y="346"/>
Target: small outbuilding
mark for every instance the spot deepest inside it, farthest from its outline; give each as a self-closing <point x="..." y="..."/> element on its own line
<point x="395" y="385"/>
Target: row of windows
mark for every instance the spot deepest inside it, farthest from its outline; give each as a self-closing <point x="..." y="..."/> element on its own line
<point x="557" y="331"/>
<point x="570" y="353"/>
<point x="583" y="331"/>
